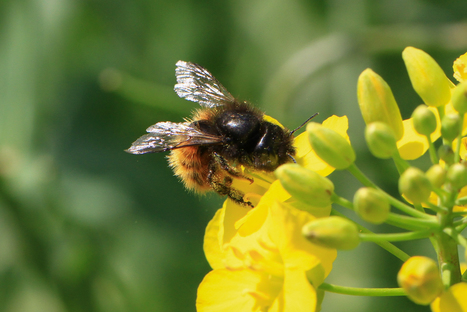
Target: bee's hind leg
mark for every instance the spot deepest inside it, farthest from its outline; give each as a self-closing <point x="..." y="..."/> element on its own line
<point x="223" y="186"/>
<point x="229" y="169"/>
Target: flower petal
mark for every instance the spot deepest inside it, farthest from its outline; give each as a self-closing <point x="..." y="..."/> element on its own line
<point x="452" y="300"/>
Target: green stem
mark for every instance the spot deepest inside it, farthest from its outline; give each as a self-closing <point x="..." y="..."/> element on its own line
<point x="456" y="236"/>
<point x="436" y="208"/>
<point x="431" y="148"/>
<point x="383" y="244"/>
<point x="401" y="164"/>
<point x="353" y="169"/>
<point x="395" y="237"/>
<point x="448" y="259"/>
<point x="397" y="219"/>
<point x="408" y="223"/>
<point x="459" y="140"/>
<point x="354" y="291"/>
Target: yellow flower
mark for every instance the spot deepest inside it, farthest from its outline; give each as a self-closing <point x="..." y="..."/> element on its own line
<point x="452" y="300"/>
<point x="460" y="68"/>
<point x="260" y="259"/>
<point x="267" y="266"/>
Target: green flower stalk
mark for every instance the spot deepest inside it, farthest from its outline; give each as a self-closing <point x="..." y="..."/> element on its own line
<point x="371" y="205"/>
<point x="332" y="232"/>
<point x="377" y="103"/>
<point x="424" y="120"/>
<point x="305" y="185"/>
<point x="380" y="139"/>
<point x="415" y="186"/>
<point x="420" y="278"/>
<point x="330" y="146"/>
<point x="428" y="79"/>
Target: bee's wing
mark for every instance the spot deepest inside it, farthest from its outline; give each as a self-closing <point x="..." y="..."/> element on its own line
<point x="196" y="84"/>
<point x="164" y="136"/>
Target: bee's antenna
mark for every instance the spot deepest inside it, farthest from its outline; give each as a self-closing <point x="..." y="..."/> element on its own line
<point x="313" y="116"/>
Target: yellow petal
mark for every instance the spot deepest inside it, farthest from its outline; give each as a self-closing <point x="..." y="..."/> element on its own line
<point x="224" y="290"/>
<point x="413" y="145"/>
<point x="453" y="300"/>
<point x="460" y="68"/>
<point x="297" y="294"/>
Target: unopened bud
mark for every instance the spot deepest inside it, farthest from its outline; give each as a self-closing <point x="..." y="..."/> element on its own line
<point x="380" y="139"/>
<point x="414" y="185"/>
<point x="457" y="175"/>
<point x="371" y="205"/>
<point x="427" y="77"/>
<point x="436" y="175"/>
<point x="420" y="279"/>
<point x="459" y="98"/>
<point x="377" y="103"/>
<point x="446" y="154"/>
<point x="424" y="120"/>
<point x="330" y="146"/>
<point x="450" y="126"/>
<point x="332" y="232"/>
<point x="305" y="185"/>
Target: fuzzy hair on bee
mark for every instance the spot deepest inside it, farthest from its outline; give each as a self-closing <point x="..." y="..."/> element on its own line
<point x="207" y="150"/>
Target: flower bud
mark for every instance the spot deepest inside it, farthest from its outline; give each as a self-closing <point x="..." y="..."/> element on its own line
<point x="332" y="232"/>
<point x="371" y="205"/>
<point x="424" y="120"/>
<point x="305" y="185"/>
<point x="450" y="126"/>
<point x="446" y="154"/>
<point x="377" y="103"/>
<point x="330" y="146"/>
<point x="414" y="185"/>
<point x="436" y="175"/>
<point x="427" y="77"/>
<point x="457" y="175"/>
<point x="459" y="98"/>
<point x="380" y="139"/>
<point x="420" y="279"/>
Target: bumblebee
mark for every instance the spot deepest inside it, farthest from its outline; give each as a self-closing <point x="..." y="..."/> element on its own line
<point x="207" y="150"/>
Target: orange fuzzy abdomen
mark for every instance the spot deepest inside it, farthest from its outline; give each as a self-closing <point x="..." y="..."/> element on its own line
<point x="192" y="167"/>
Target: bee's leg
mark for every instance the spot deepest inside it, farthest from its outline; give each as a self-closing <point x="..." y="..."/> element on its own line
<point x="223" y="186"/>
<point x="229" y="169"/>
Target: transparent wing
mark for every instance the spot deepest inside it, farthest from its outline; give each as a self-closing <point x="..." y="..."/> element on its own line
<point x="165" y="136"/>
<point x="196" y="84"/>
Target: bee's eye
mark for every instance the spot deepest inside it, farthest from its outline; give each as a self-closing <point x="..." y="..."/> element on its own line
<point x="238" y="125"/>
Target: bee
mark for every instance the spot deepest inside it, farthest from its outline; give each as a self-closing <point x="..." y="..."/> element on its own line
<point x="207" y="150"/>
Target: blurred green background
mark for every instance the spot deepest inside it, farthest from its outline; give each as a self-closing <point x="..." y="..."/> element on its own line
<point x="85" y="226"/>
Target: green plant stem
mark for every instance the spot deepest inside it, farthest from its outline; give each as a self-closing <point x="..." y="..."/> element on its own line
<point x="395" y="237"/>
<point x="401" y="221"/>
<point x="436" y="208"/>
<point x="456" y="236"/>
<point x="431" y="148"/>
<point x="354" y="291"/>
<point x="383" y="244"/>
<point x="401" y="164"/>
<point x="408" y="223"/>
<point x="353" y="169"/>
<point x="448" y="259"/>
<point x="459" y="140"/>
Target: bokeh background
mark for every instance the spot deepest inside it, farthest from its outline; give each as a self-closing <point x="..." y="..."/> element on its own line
<point x="85" y="226"/>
